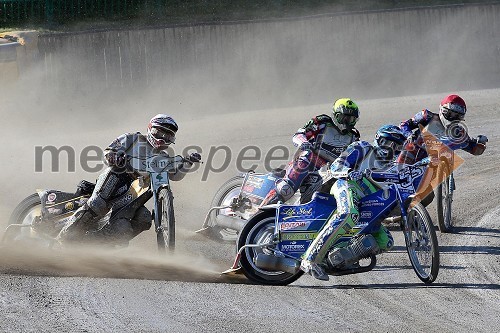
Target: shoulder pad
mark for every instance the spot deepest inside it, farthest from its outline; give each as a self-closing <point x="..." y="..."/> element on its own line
<point x="323" y="118"/>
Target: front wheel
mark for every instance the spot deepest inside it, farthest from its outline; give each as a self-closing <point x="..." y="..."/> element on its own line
<point x="444" y="196"/>
<point x="422" y="244"/>
<point x="165" y="221"/>
<point x="260" y="230"/>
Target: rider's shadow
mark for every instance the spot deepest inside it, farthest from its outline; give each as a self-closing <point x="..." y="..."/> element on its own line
<point x="416" y="285"/>
<point x="476" y="231"/>
<point x="465" y="249"/>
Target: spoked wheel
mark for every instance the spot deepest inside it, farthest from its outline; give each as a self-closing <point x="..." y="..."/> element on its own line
<point x="165" y="220"/>
<point x="260" y="230"/>
<point x="444" y="196"/>
<point x="223" y="197"/>
<point x="422" y="244"/>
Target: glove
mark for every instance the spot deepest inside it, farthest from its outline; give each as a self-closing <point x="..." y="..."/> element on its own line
<point x="306" y="145"/>
<point x="116" y="158"/>
<point x="355" y="175"/>
<point x="193" y="158"/>
<point x="482" y="139"/>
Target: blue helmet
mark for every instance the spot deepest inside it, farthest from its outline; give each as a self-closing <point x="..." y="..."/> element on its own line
<point x="389" y="140"/>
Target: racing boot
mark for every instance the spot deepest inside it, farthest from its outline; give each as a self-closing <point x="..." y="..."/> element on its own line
<point x="118" y="232"/>
<point x="384" y="239"/>
<point x="141" y="221"/>
<point x="77" y="224"/>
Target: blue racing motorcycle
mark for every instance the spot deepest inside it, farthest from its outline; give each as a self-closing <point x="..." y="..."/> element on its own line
<point x="272" y="242"/>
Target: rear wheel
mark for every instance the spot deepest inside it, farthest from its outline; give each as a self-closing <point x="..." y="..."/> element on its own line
<point x="165" y="220"/>
<point x="224" y="196"/>
<point x="444" y="196"/>
<point x="422" y="244"/>
<point x="260" y="230"/>
<point x="24" y="213"/>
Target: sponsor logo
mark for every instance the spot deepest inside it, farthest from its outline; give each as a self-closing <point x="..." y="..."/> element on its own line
<point x="293" y="246"/>
<point x="292" y="225"/>
<point x="298" y="236"/>
<point x="294" y="212"/>
<point x="51" y="197"/>
<point x="54" y="211"/>
<point x="254" y="181"/>
<point x="69" y="206"/>
<point x="125" y="200"/>
<point x="366" y="215"/>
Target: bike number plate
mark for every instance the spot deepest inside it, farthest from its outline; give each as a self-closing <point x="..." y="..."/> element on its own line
<point x="159" y="178"/>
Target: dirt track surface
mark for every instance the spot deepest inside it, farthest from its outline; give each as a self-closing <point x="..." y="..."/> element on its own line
<point x="133" y="290"/>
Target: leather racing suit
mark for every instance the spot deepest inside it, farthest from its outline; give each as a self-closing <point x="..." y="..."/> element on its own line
<point x="112" y="193"/>
<point x="330" y="141"/>
<point x="455" y="136"/>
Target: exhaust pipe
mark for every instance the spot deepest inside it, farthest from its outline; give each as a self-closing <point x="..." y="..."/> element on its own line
<point x="230" y="222"/>
<point x="273" y="263"/>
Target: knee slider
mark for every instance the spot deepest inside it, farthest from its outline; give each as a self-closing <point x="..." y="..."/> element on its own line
<point x="284" y="189"/>
<point x="97" y="205"/>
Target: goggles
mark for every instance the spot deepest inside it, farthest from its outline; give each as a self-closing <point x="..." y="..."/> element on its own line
<point x="346" y="119"/>
<point x="452" y="115"/>
<point x="390" y="145"/>
<point x="162" y="134"/>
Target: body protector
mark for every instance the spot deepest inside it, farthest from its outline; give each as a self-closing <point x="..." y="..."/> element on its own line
<point x="329" y="142"/>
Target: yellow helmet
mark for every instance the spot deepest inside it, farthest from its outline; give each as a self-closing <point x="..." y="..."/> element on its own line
<point x="345" y="113"/>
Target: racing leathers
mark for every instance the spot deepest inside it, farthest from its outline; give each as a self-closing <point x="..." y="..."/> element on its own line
<point x="319" y="141"/>
<point x="454" y="135"/>
<point x="351" y="186"/>
<point x="112" y="193"/>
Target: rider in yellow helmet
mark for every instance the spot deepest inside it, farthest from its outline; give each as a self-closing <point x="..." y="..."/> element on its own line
<point x="321" y="140"/>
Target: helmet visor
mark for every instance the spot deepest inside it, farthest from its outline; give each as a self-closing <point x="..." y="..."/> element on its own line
<point x="163" y="134"/>
<point x="452" y="115"/>
<point x="346" y="119"/>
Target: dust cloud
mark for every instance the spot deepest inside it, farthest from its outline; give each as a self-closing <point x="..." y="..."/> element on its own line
<point x="103" y="262"/>
<point x="211" y="79"/>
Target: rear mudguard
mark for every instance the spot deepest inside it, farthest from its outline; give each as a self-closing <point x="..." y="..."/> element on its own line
<point x="57" y="204"/>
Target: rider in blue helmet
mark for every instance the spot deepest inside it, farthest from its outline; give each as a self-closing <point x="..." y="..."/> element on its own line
<point x="348" y="190"/>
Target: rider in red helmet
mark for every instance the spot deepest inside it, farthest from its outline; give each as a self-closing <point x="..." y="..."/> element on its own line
<point x="446" y="125"/>
<point x="112" y="189"/>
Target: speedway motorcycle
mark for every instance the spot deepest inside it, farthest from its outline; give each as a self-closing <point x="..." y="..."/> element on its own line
<point x="238" y="199"/>
<point x="272" y="242"/>
<point x="42" y="215"/>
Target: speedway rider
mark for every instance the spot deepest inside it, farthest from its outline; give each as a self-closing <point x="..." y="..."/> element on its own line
<point x="447" y="124"/>
<point x="330" y="135"/>
<point x="348" y="190"/>
<point x="113" y="184"/>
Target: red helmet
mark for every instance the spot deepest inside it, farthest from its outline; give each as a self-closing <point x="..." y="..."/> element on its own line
<point x="452" y="108"/>
<point x="161" y="131"/>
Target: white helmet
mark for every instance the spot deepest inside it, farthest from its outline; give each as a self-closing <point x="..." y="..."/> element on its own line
<point x="161" y="131"/>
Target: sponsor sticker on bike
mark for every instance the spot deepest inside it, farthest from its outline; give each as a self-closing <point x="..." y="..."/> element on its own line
<point x="293" y="247"/>
<point x="51" y="197"/>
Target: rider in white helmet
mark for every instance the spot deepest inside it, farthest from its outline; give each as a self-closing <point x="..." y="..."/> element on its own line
<point x="113" y="184"/>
